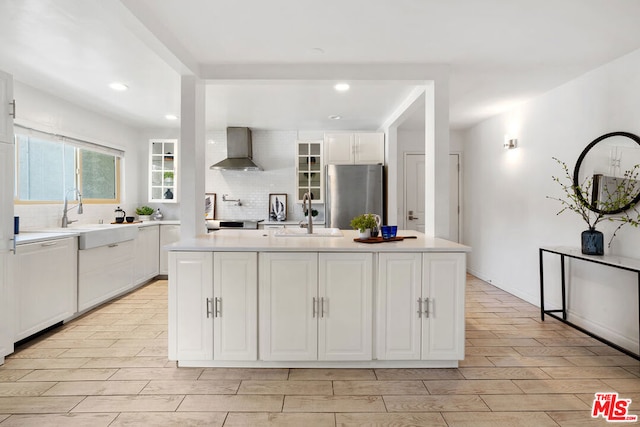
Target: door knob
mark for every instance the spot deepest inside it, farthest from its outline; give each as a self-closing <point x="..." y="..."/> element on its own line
<point x="411" y="217"/>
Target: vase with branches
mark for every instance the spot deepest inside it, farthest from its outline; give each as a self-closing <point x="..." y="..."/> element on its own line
<point x="617" y="197"/>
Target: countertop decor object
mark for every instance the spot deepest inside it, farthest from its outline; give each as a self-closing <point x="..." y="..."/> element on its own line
<point x="210" y="205"/>
<point x="278" y="207"/>
<point x="616" y="202"/>
<point x="364" y="224"/>
<point x="144" y="213"/>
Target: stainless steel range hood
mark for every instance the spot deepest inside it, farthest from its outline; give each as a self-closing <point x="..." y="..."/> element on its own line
<point x="239" y="151"/>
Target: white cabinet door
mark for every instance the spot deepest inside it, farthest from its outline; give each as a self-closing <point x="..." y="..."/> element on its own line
<point x="169" y="233"/>
<point x="163" y="170"/>
<point x="7" y="160"/>
<point x="104" y="272"/>
<point x="47" y="294"/>
<point x="443" y="288"/>
<point x="6" y="244"/>
<point x="339" y="148"/>
<point x="7" y="108"/>
<point x="368" y="148"/>
<point x="147" y="254"/>
<point x="399" y="311"/>
<point x="288" y="289"/>
<point x="235" y="305"/>
<point x="348" y="148"/>
<point x="345" y="290"/>
<point x="190" y="313"/>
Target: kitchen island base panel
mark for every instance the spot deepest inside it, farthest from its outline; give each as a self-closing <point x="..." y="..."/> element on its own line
<point x="317" y="304"/>
<point x="365" y="364"/>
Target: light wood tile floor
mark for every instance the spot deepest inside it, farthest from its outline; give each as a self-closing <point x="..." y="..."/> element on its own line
<point x="109" y="368"/>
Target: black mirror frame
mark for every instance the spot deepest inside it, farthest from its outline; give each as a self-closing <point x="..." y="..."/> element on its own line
<point x="576" y="170"/>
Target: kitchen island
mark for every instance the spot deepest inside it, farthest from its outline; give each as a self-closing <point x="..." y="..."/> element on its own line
<point x="252" y="298"/>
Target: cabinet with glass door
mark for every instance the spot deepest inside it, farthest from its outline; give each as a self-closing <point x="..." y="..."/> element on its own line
<point x="163" y="164"/>
<point x="309" y="170"/>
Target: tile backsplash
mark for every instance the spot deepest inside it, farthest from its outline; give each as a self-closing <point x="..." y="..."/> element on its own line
<point x="274" y="151"/>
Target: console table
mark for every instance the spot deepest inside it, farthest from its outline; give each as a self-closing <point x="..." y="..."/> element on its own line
<point x="628" y="264"/>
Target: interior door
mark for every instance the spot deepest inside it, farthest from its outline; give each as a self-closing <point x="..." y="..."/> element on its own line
<point x="414" y="169"/>
<point x="414" y="192"/>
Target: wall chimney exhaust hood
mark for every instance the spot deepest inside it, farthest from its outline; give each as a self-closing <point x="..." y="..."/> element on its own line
<point x="239" y="151"/>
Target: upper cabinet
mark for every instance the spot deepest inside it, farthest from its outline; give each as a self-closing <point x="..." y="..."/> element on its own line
<point x="309" y="170"/>
<point x="163" y="173"/>
<point x="354" y="148"/>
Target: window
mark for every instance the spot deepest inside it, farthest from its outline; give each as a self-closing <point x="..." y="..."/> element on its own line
<point x="47" y="169"/>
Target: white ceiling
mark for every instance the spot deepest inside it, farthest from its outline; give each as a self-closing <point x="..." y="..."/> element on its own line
<point x="500" y="53"/>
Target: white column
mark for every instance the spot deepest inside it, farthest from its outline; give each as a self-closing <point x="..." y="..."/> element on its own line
<point x="192" y="157"/>
<point x="437" y="158"/>
<point x="391" y="161"/>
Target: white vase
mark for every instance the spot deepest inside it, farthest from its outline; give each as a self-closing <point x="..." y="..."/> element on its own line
<point x="365" y="234"/>
<point x="144" y="218"/>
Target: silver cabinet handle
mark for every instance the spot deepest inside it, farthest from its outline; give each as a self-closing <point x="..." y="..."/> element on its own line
<point x="208" y="302"/>
<point x="426" y="307"/>
<point x="13" y="244"/>
<point x="313" y="305"/>
<point x="322" y="307"/>
<point x="113" y="245"/>
<point x="218" y="307"/>
<point x="419" y="307"/>
<point x="48" y="244"/>
<point x="13" y="112"/>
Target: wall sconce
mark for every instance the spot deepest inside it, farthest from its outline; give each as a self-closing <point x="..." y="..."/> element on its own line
<point x="510" y="143"/>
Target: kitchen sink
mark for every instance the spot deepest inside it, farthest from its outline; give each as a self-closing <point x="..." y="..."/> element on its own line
<point x="94" y="235"/>
<point x="302" y="232"/>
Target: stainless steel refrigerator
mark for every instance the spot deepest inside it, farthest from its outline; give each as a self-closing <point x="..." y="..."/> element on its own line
<point x="353" y="190"/>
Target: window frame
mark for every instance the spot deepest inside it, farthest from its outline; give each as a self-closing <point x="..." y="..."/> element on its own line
<point x="78" y="146"/>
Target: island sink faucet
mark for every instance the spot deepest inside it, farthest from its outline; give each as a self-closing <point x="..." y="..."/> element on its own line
<point x="308" y="211"/>
<point x="65" y="220"/>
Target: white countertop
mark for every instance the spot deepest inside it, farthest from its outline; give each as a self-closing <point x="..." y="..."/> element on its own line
<point x="266" y="241"/>
<point x="74" y="230"/>
<point x="35" y="237"/>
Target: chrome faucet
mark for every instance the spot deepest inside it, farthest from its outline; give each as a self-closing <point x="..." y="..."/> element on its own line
<point x="65" y="220"/>
<point x="308" y="211"/>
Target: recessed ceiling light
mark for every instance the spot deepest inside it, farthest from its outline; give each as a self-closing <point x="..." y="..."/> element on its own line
<point x="317" y="50"/>
<point x="120" y="87"/>
<point x="342" y="87"/>
<point x="335" y="117"/>
<point x="171" y="117"/>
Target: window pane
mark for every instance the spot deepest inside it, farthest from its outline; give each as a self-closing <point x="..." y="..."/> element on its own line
<point x="45" y="169"/>
<point x="98" y="175"/>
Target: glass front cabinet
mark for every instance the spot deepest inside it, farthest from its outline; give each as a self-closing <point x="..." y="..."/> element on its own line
<point x="309" y="170"/>
<point x="163" y="173"/>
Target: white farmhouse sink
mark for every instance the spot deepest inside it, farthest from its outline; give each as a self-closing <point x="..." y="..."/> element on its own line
<point x="94" y="235"/>
<point x="102" y="236"/>
<point x="302" y="232"/>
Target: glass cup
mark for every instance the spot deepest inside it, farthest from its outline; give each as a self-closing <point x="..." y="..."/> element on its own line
<point x="386" y="231"/>
<point x="394" y="230"/>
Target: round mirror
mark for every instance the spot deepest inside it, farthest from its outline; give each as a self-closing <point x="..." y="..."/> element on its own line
<point x="602" y="176"/>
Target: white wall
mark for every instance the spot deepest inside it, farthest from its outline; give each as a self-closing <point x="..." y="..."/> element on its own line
<point x="508" y="217"/>
<point x="39" y="110"/>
